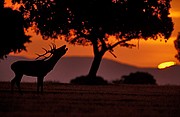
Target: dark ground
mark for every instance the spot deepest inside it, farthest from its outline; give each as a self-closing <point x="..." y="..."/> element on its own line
<point x="66" y="100"/>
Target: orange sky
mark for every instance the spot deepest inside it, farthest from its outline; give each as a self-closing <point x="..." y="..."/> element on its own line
<point x="149" y="54"/>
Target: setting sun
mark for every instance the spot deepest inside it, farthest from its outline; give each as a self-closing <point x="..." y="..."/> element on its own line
<point x="166" y="64"/>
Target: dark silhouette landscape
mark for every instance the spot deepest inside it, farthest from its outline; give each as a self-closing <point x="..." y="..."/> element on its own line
<point x="70" y="67"/>
<point x="85" y="23"/>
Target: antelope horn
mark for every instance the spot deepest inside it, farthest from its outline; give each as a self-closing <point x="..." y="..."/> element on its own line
<point x="54" y="46"/>
<point x="43" y="55"/>
<point x="51" y="47"/>
<point x="45" y="50"/>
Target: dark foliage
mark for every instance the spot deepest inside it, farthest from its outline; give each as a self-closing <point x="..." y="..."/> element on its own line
<point x="12" y="32"/>
<point x="136" y="78"/>
<point x="86" y="80"/>
<point x="177" y="46"/>
<point x="145" y="19"/>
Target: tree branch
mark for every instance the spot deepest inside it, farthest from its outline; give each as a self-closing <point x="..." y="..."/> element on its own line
<point x="113" y="54"/>
<point x="117" y="43"/>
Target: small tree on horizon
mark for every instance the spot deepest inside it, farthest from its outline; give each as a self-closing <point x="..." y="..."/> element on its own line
<point x="136" y="78"/>
<point x="93" y="22"/>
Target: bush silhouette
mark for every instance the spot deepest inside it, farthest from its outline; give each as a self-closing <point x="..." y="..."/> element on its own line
<point x="136" y="78"/>
<point x="86" y="80"/>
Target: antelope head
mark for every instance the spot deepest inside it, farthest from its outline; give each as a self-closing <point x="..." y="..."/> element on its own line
<point x="53" y="51"/>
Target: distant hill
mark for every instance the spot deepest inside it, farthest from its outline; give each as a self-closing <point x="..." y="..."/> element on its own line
<point x="68" y="68"/>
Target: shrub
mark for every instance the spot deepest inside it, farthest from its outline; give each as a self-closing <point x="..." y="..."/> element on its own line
<point x="136" y="78"/>
<point x="86" y="80"/>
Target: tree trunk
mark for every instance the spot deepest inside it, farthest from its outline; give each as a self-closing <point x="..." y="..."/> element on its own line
<point x="95" y="65"/>
<point x="98" y="54"/>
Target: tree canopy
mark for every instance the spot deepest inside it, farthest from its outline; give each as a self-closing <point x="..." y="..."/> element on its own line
<point x="12" y="32"/>
<point x="93" y="19"/>
<point x="92" y="22"/>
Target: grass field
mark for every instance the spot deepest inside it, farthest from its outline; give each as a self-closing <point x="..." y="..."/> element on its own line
<point x="67" y="100"/>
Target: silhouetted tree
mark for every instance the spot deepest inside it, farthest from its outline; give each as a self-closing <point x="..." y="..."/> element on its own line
<point x="137" y="78"/>
<point x="177" y="46"/>
<point x="92" y="22"/>
<point x="12" y="32"/>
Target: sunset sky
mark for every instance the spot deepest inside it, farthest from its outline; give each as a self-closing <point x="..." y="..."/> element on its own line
<point x="149" y="53"/>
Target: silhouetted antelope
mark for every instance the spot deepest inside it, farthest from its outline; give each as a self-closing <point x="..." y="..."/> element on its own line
<point x="37" y="68"/>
